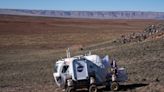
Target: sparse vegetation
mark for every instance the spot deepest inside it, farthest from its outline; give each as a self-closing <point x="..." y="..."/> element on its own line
<point x="29" y="46"/>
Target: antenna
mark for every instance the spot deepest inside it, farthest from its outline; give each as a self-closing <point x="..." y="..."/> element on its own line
<point x="89" y="53"/>
<point x="68" y="53"/>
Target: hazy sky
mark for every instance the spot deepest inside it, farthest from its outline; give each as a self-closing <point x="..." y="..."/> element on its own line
<point x="86" y="5"/>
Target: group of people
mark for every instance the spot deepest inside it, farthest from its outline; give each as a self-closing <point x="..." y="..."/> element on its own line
<point x="140" y="36"/>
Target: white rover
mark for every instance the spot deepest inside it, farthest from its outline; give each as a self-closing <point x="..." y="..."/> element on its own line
<point x="88" y="71"/>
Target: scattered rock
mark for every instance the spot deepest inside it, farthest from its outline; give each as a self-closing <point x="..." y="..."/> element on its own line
<point x="143" y="79"/>
<point x="157" y="80"/>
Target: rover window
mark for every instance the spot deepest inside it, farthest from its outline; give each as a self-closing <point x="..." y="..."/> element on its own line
<point x="64" y="68"/>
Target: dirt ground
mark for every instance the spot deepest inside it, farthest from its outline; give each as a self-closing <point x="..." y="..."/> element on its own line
<point x="29" y="47"/>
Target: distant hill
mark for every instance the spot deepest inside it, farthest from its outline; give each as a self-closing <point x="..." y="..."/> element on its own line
<point x="86" y="14"/>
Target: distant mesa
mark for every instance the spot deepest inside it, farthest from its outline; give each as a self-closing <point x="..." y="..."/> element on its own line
<point x="86" y="14"/>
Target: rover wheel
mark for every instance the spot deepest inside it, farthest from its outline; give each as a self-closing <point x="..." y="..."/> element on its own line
<point x="70" y="89"/>
<point x="114" y="86"/>
<point x="93" y="88"/>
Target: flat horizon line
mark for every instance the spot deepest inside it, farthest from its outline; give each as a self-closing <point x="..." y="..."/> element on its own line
<point x="81" y="10"/>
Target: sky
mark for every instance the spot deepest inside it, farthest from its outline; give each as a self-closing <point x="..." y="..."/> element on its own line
<point x="85" y="5"/>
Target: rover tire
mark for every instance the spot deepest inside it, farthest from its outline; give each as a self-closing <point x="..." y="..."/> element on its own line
<point x="114" y="86"/>
<point x="92" y="88"/>
<point x="70" y="89"/>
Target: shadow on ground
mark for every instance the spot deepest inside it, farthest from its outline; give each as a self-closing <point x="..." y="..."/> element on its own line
<point x="127" y="87"/>
<point x="131" y="86"/>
